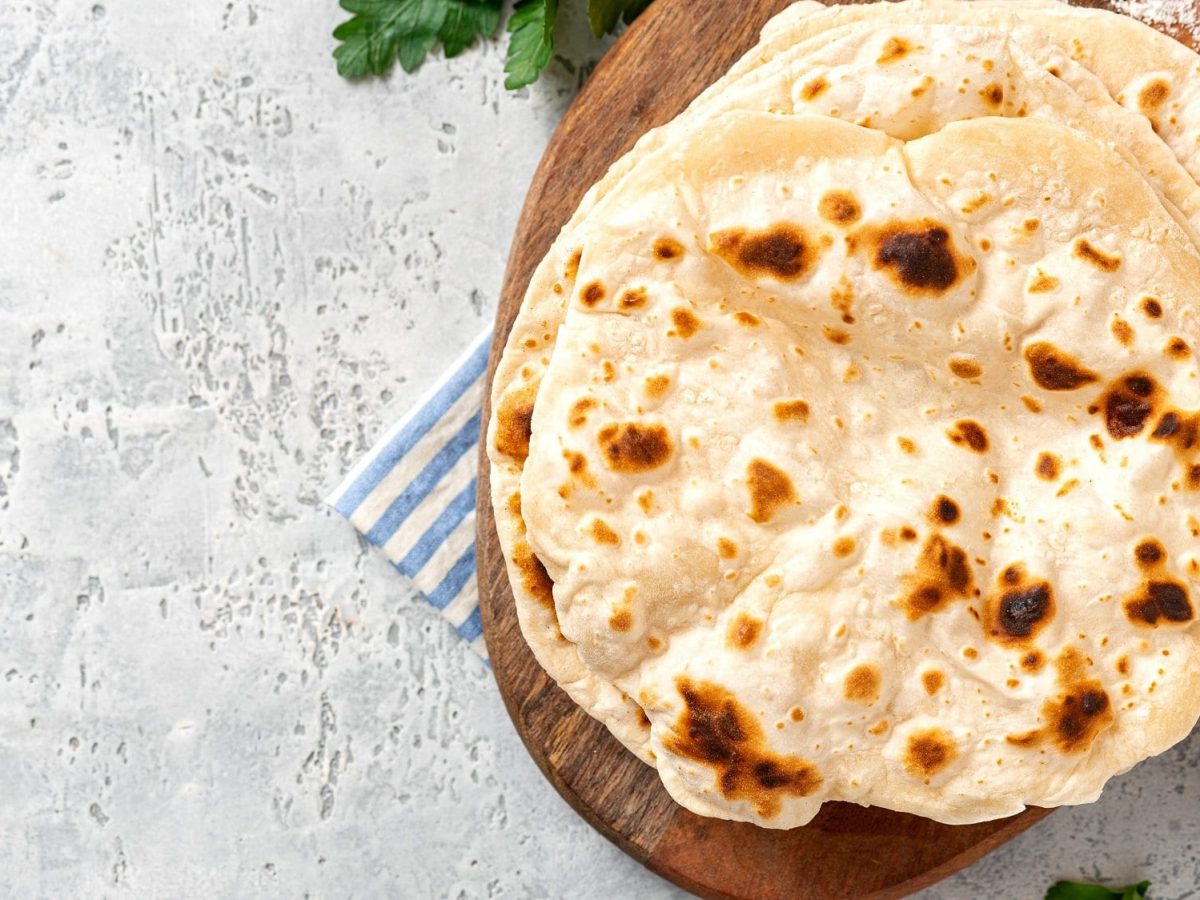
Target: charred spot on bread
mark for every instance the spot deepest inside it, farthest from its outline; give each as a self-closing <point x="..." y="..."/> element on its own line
<point x="782" y="251"/>
<point x="716" y="730"/>
<point x="631" y="447"/>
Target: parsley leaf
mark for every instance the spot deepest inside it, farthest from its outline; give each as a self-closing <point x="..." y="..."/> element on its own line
<point x="467" y="20"/>
<point x="1070" y="890"/>
<point x="380" y="33"/>
<point x="384" y="31"/>
<point x="603" y="15"/>
<point x="531" y="41"/>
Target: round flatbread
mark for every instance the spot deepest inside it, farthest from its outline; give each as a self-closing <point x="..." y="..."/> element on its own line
<point x="1037" y="78"/>
<point x="868" y="470"/>
<point x="913" y="94"/>
<point x="1144" y="69"/>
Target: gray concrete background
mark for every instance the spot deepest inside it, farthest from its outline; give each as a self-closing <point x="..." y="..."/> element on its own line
<point x="223" y="272"/>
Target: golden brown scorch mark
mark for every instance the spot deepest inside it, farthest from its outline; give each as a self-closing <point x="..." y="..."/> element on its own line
<point x="1020" y="608"/>
<point x="965" y="369"/>
<point x="1042" y="283"/>
<point x="1048" y="467"/>
<point x="633" y="298"/>
<point x="975" y="204"/>
<point x="1161" y="598"/>
<point x="514" y="420"/>
<point x="1077" y="715"/>
<point x="894" y="49"/>
<point x="1149" y="553"/>
<point x="945" y="511"/>
<point x="592" y="294"/>
<point x="534" y="577"/>
<point x="814" y="88"/>
<point x="635" y="446"/>
<point x="1160" y="601"/>
<point x="782" y="251"/>
<point x="840" y="207"/>
<point x="1177" y="349"/>
<point x="863" y="684"/>
<point x="993" y="94"/>
<point x="841" y="297"/>
<point x="1055" y="370"/>
<point x="791" y="411"/>
<point x="1026" y="739"/>
<point x="844" y="546"/>
<point x="577" y="465"/>
<point x="919" y="256"/>
<point x="942" y="574"/>
<point x="1153" y="95"/>
<point x="657" y="385"/>
<point x="970" y="434"/>
<point x="928" y="752"/>
<point x="892" y="537"/>
<point x="685" y="321"/>
<point x="716" y="730"/>
<point x="602" y="533"/>
<point x="572" y="268"/>
<point x="1083" y="710"/>
<point x="1033" y="661"/>
<point x="577" y="417"/>
<point x="1181" y="430"/>
<point x="770" y="490"/>
<point x="1123" y="332"/>
<point x="514" y="511"/>
<point x="743" y="631"/>
<point x="1128" y="404"/>
<point x="667" y="249"/>
<point x="1090" y="253"/>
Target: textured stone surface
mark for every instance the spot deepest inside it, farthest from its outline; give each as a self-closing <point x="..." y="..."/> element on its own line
<point x="224" y="271"/>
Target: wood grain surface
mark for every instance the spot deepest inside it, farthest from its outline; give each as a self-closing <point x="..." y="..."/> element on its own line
<point x="675" y="50"/>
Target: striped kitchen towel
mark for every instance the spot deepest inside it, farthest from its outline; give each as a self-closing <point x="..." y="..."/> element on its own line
<point x="413" y="495"/>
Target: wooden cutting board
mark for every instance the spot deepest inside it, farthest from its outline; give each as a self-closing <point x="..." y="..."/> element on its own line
<point x="675" y="50"/>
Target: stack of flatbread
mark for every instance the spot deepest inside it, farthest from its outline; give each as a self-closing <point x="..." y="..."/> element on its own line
<point x="847" y="443"/>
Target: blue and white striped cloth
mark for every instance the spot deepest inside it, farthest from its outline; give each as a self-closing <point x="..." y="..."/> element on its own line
<point x="413" y="495"/>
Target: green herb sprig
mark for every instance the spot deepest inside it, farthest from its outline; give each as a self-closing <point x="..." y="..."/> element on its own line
<point x="1071" y="890"/>
<point x="380" y="33"/>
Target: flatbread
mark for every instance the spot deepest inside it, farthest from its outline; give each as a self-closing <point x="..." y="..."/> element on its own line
<point x="870" y="469"/>
<point x="852" y="49"/>
<point x="1144" y="69"/>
